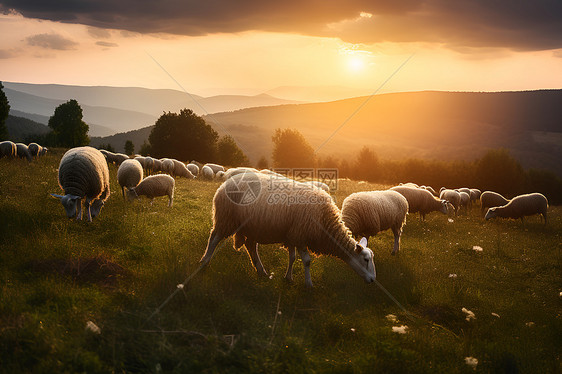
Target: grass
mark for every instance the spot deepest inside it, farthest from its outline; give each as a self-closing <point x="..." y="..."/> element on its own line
<point x="57" y="274"/>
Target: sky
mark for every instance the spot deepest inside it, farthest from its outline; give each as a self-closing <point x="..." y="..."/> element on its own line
<point x="254" y="46"/>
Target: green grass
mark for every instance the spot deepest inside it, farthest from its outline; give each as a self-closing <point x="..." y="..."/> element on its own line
<point x="57" y="274"/>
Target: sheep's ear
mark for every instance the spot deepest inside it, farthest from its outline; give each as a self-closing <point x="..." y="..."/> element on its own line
<point x="363" y="242"/>
<point x="56" y="196"/>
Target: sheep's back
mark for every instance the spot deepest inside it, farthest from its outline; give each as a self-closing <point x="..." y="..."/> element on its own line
<point x="83" y="172"/>
<point x="490" y="199"/>
<point x="129" y="173"/>
<point x="527" y="205"/>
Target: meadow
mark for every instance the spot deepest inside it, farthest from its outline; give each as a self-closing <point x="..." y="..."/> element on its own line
<point x="118" y="272"/>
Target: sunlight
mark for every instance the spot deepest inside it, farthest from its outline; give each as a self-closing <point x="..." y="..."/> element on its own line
<point x="355" y="64"/>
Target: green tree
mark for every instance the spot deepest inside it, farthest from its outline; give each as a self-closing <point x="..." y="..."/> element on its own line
<point x="69" y="130"/>
<point x="184" y="136"/>
<point x="129" y="147"/>
<point x="145" y="149"/>
<point x="263" y="163"/>
<point x="498" y="171"/>
<point x="229" y="153"/>
<point x="366" y="165"/>
<point x="291" y="150"/>
<point x="4" y="111"/>
<point x="107" y="147"/>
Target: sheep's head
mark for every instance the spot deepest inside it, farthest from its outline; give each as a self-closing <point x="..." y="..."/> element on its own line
<point x="95" y="208"/>
<point x="132" y="194"/>
<point x="363" y="262"/>
<point x="444" y="206"/>
<point x="491" y="213"/>
<point x="69" y="202"/>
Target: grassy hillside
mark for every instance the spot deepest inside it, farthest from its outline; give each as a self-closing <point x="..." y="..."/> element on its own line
<point x="57" y="275"/>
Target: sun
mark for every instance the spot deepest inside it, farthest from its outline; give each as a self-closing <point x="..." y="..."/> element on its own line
<point x="355" y="64"/>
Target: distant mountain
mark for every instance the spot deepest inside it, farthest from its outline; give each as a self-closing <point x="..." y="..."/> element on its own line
<point x="317" y="93"/>
<point x="20" y="128"/>
<point x="117" y="141"/>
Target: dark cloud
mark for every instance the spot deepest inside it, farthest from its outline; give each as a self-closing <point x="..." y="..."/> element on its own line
<point x="517" y="25"/>
<point x="107" y="44"/>
<point x="51" y="41"/>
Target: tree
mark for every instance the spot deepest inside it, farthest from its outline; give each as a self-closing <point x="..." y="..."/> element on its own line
<point x="69" y="130"/>
<point x="107" y="147"/>
<point x="263" y="163"/>
<point x="145" y="149"/>
<point x="184" y="136"/>
<point x="291" y="150"/>
<point x="366" y="165"/>
<point x="498" y="171"/>
<point x="129" y="147"/>
<point x="4" y="111"/>
<point x="229" y="153"/>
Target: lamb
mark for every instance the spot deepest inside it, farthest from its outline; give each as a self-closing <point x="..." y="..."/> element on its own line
<point x="23" y="151"/>
<point x="36" y="150"/>
<point x="207" y="172"/>
<point x="490" y="199"/>
<point x="194" y="169"/>
<point x="180" y="170"/>
<point x="154" y="186"/>
<point x="420" y="200"/>
<point x="129" y="174"/>
<point x="452" y="197"/>
<point x="8" y="149"/>
<point x="245" y="205"/>
<point x="521" y="206"/>
<point x="216" y="168"/>
<point x="83" y="173"/>
<point x="368" y="213"/>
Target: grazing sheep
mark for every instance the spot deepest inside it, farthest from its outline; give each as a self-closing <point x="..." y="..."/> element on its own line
<point x="465" y="200"/>
<point x="409" y="184"/>
<point x="216" y="168"/>
<point x="238" y="170"/>
<point x="23" y="151"/>
<point x="197" y="163"/>
<point x="109" y="156"/>
<point x="180" y="170"/>
<point x="368" y="213"/>
<point x="430" y="189"/>
<point x="194" y="169"/>
<point x="521" y="206"/>
<point x="8" y="149"/>
<point x="270" y="172"/>
<point x="140" y="159"/>
<point x="207" y="172"/>
<point x="167" y="166"/>
<point x="156" y="165"/>
<point x="83" y="173"/>
<point x="300" y="218"/>
<point x="420" y="200"/>
<point x="35" y="150"/>
<point x="154" y="186"/>
<point x="220" y="175"/>
<point x="452" y="197"/>
<point x="490" y="199"/>
<point x="475" y="194"/>
<point x="118" y="158"/>
<point x="149" y="165"/>
<point x="129" y="174"/>
<point x="464" y="189"/>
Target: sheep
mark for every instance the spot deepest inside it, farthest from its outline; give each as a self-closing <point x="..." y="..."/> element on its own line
<point x="35" y="150"/>
<point x="141" y="160"/>
<point x="118" y="158"/>
<point x="196" y="163"/>
<point x="420" y="200"/>
<point x="167" y="166"/>
<point x="465" y="200"/>
<point x="8" y="149"/>
<point x="154" y="186"/>
<point x="268" y="211"/>
<point x="180" y="170"/>
<point x="452" y="197"/>
<point x="475" y="194"/>
<point x="238" y="170"/>
<point x="83" y="173"/>
<point x="409" y="184"/>
<point x="521" y="206"/>
<point x="194" y="169"/>
<point x="490" y="199"/>
<point x="430" y="189"/>
<point x="319" y="184"/>
<point x="207" y="172"/>
<point x="220" y="175"/>
<point x="156" y="165"/>
<point x="129" y="174"/>
<point x="464" y="189"/>
<point x="270" y="172"/>
<point x="216" y="168"/>
<point x="149" y="165"/>
<point x="368" y="213"/>
<point x="23" y="151"/>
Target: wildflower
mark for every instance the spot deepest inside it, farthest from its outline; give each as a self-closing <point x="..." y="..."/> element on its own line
<point x="469" y="314"/>
<point x="279" y="312"/>
<point x="451" y="220"/>
<point x="477" y="248"/>
<point x="90" y="326"/>
<point x="180" y="286"/>
<point x="496" y="315"/>
<point x="530" y="324"/>
<point x="352" y="329"/>
<point x="391" y="318"/>
<point x="400" y="329"/>
<point x="471" y="361"/>
<point x="452" y="275"/>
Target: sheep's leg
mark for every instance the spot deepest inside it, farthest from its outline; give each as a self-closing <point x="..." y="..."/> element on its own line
<point x="252" y="249"/>
<point x="87" y="206"/>
<point x="292" y="255"/>
<point x="171" y="200"/>
<point x="397" y="232"/>
<point x="123" y="191"/>
<point x="214" y="240"/>
<point x="305" y="257"/>
<point x="79" y="210"/>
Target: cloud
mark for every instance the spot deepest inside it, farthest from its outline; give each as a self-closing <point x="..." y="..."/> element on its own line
<point x="8" y="53"/>
<point x="107" y="44"/>
<point x="522" y="25"/>
<point x="51" y="41"/>
<point x="98" y="33"/>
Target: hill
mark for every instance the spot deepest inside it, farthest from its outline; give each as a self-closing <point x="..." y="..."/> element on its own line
<point x="20" y="128"/>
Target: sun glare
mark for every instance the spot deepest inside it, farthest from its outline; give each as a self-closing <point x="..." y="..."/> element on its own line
<point x="355" y="64"/>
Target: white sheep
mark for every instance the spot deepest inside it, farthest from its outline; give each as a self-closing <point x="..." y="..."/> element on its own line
<point x="475" y="194"/>
<point x="118" y="158"/>
<point x="156" y="165"/>
<point x="8" y="149"/>
<point x="490" y="199"/>
<point x="194" y="169"/>
<point x="207" y="172"/>
<point x="23" y="151"/>
<point x="465" y="200"/>
<point x="409" y="184"/>
<point x="318" y="184"/>
<point x="238" y="170"/>
<point x="220" y="175"/>
<point x="129" y="174"/>
<point x="154" y="186"/>
<point x="264" y="210"/>
<point x="167" y="166"/>
<point x="180" y="170"/>
<point x="35" y="150"/>
<point x="521" y="206"/>
<point x="452" y="197"/>
<point x="422" y="201"/>
<point x="83" y="173"/>
<point x="370" y="212"/>
<point x="430" y="189"/>
<point x="216" y="168"/>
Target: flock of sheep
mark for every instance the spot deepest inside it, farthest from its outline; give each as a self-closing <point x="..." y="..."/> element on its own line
<point x="11" y="150"/>
<point x="307" y="219"/>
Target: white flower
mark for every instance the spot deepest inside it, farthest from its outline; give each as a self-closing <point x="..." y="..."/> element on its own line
<point x="560" y="293"/>
<point x="452" y="275"/>
<point x="180" y="286"/>
<point x="400" y="329"/>
<point x="496" y="315"/>
<point x="477" y="248"/>
<point x="391" y="318"/>
<point x="530" y="324"/>
<point x="469" y="314"/>
<point x="451" y="220"/>
<point x="471" y="361"/>
<point x="352" y="329"/>
<point x="279" y="312"/>
<point x="90" y="326"/>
